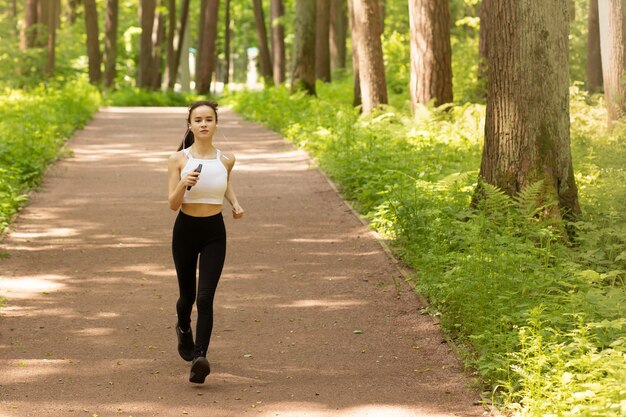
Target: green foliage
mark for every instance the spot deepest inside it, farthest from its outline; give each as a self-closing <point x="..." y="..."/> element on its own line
<point x="540" y="321"/>
<point x="34" y="125"/>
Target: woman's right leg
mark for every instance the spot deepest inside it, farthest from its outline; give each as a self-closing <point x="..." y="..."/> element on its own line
<point x="185" y="261"/>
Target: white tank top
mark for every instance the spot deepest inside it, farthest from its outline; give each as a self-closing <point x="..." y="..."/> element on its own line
<point x="212" y="181"/>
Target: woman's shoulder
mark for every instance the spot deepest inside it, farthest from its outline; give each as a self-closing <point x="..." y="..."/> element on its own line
<point x="177" y="157"/>
<point x="228" y="159"/>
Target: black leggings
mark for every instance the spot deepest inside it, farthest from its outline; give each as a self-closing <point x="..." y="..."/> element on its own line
<point x="193" y="236"/>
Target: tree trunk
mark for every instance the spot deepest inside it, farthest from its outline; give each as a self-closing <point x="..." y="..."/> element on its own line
<point x="158" y="35"/>
<point x="382" y="6"/>
<point x="43" y="18"/>
<point x="264" y="51"/>
<point x="338" y="31"/>
<point x="482" y="39"/>
<point x="612" y="20"/>
<point x="29" y="31"/>
<point x="183" y="53"/>
<point x="14" y="17"/>
<point x="145" y="54"/>
<point x="110" y="42"/>
<point x="52" y="19"/>
<point x="182" y="33"/>
<point x="73" y="10"/>
<point x="527" y="137"/>
<point x="594" y="59"/>
<point x="356" y="99"/>
<point x="277" y="11"/>
<point x="170" y="67"/>
<point x="206" y="55"/>
<point x="322" y="41"/>
<point x="93" y="45"/>
<point x="431" y="54"/>
<point x="370" y="51"/>
<point x="227" y="32"/>
<point x="303" y="77"/>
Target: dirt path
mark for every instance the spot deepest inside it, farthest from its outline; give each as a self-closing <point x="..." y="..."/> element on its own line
<point x="88" y="329"/>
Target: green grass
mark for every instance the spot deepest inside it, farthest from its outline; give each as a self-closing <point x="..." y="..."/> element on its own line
<point x="34" y="125"/>
<point x="541" y="323"/>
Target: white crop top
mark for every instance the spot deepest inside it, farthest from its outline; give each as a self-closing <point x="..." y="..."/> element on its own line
<point x="212" y="181"/>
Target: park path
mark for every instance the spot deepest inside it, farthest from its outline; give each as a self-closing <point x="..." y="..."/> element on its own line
<point x="309" y="321"/>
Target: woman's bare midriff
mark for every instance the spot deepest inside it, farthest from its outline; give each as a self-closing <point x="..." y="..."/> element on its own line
<point x="201" y="210"/>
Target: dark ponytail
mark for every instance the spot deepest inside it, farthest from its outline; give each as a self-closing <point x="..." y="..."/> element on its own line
<point x="188" y="139"/>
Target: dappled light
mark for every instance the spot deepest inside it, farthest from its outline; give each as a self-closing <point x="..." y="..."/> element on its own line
<point x="89" y="276"/>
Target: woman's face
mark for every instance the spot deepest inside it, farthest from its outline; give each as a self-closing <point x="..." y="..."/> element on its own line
<point x="202" y="122"/>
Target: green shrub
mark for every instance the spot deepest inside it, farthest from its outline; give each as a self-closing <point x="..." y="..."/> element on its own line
<point x="34" y="125"/>
<point x="540" y="321"/>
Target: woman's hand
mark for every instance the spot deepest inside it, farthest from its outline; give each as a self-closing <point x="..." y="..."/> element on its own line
<point x="237" y="211"/>
<point x="190" y="179"/>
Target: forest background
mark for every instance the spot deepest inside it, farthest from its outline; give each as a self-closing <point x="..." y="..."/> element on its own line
<point x="533" y="301"/>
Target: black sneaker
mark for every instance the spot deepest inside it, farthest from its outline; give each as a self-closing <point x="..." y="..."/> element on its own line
<point x="199" y="370"/>
<point x="185" y="343"/>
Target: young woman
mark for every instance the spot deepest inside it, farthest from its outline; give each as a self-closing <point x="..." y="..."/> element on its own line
<point x="199" y="181"/>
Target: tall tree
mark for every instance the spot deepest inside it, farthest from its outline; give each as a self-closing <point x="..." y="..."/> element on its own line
<point x="43" y="18"/>
<point x="29" y="30"/>
<point x="206" y="53"/>
<point x="303" y="76"/>
<point x="482" y="39"/>
<point x="110" y="42"/>
<point x="431" y="53"/>
<point x="54" y="9"/>
<point x="370" y="54"/>
<point x="527" y="136"/>
<point x="93" y="45"/>
<point x="322" y="41"/>
<point x="264" y="51"/>
<point x="612" y="20"/>
<point x="72" y="10"/>
<point x="182" y="35"/>
<point x="170" y="67"/>
<point x="158" y="36"/>
<point x="356" y="98"/>
<point x="227" y="34"/>
<point x="338" y="33"/>
<point x="148" y="9"/>
<point x="277" y="11"/>
<point x="594" y="59"/>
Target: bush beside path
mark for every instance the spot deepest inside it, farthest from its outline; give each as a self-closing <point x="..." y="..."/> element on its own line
<point x="312" y="317"/>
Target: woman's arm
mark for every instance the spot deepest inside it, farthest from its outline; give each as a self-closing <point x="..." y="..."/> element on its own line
<point x="230" y="195"/>
<point x="177" y="185"/>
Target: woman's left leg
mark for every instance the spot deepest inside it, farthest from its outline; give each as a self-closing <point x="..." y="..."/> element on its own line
<point x="210" y="269"/>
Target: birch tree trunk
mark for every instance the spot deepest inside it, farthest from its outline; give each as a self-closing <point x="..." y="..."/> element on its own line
<point x="527" y="136"/>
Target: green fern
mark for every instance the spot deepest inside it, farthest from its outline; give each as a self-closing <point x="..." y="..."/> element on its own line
<point x="494" y="202"/>
<point x="529" y="199"/>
